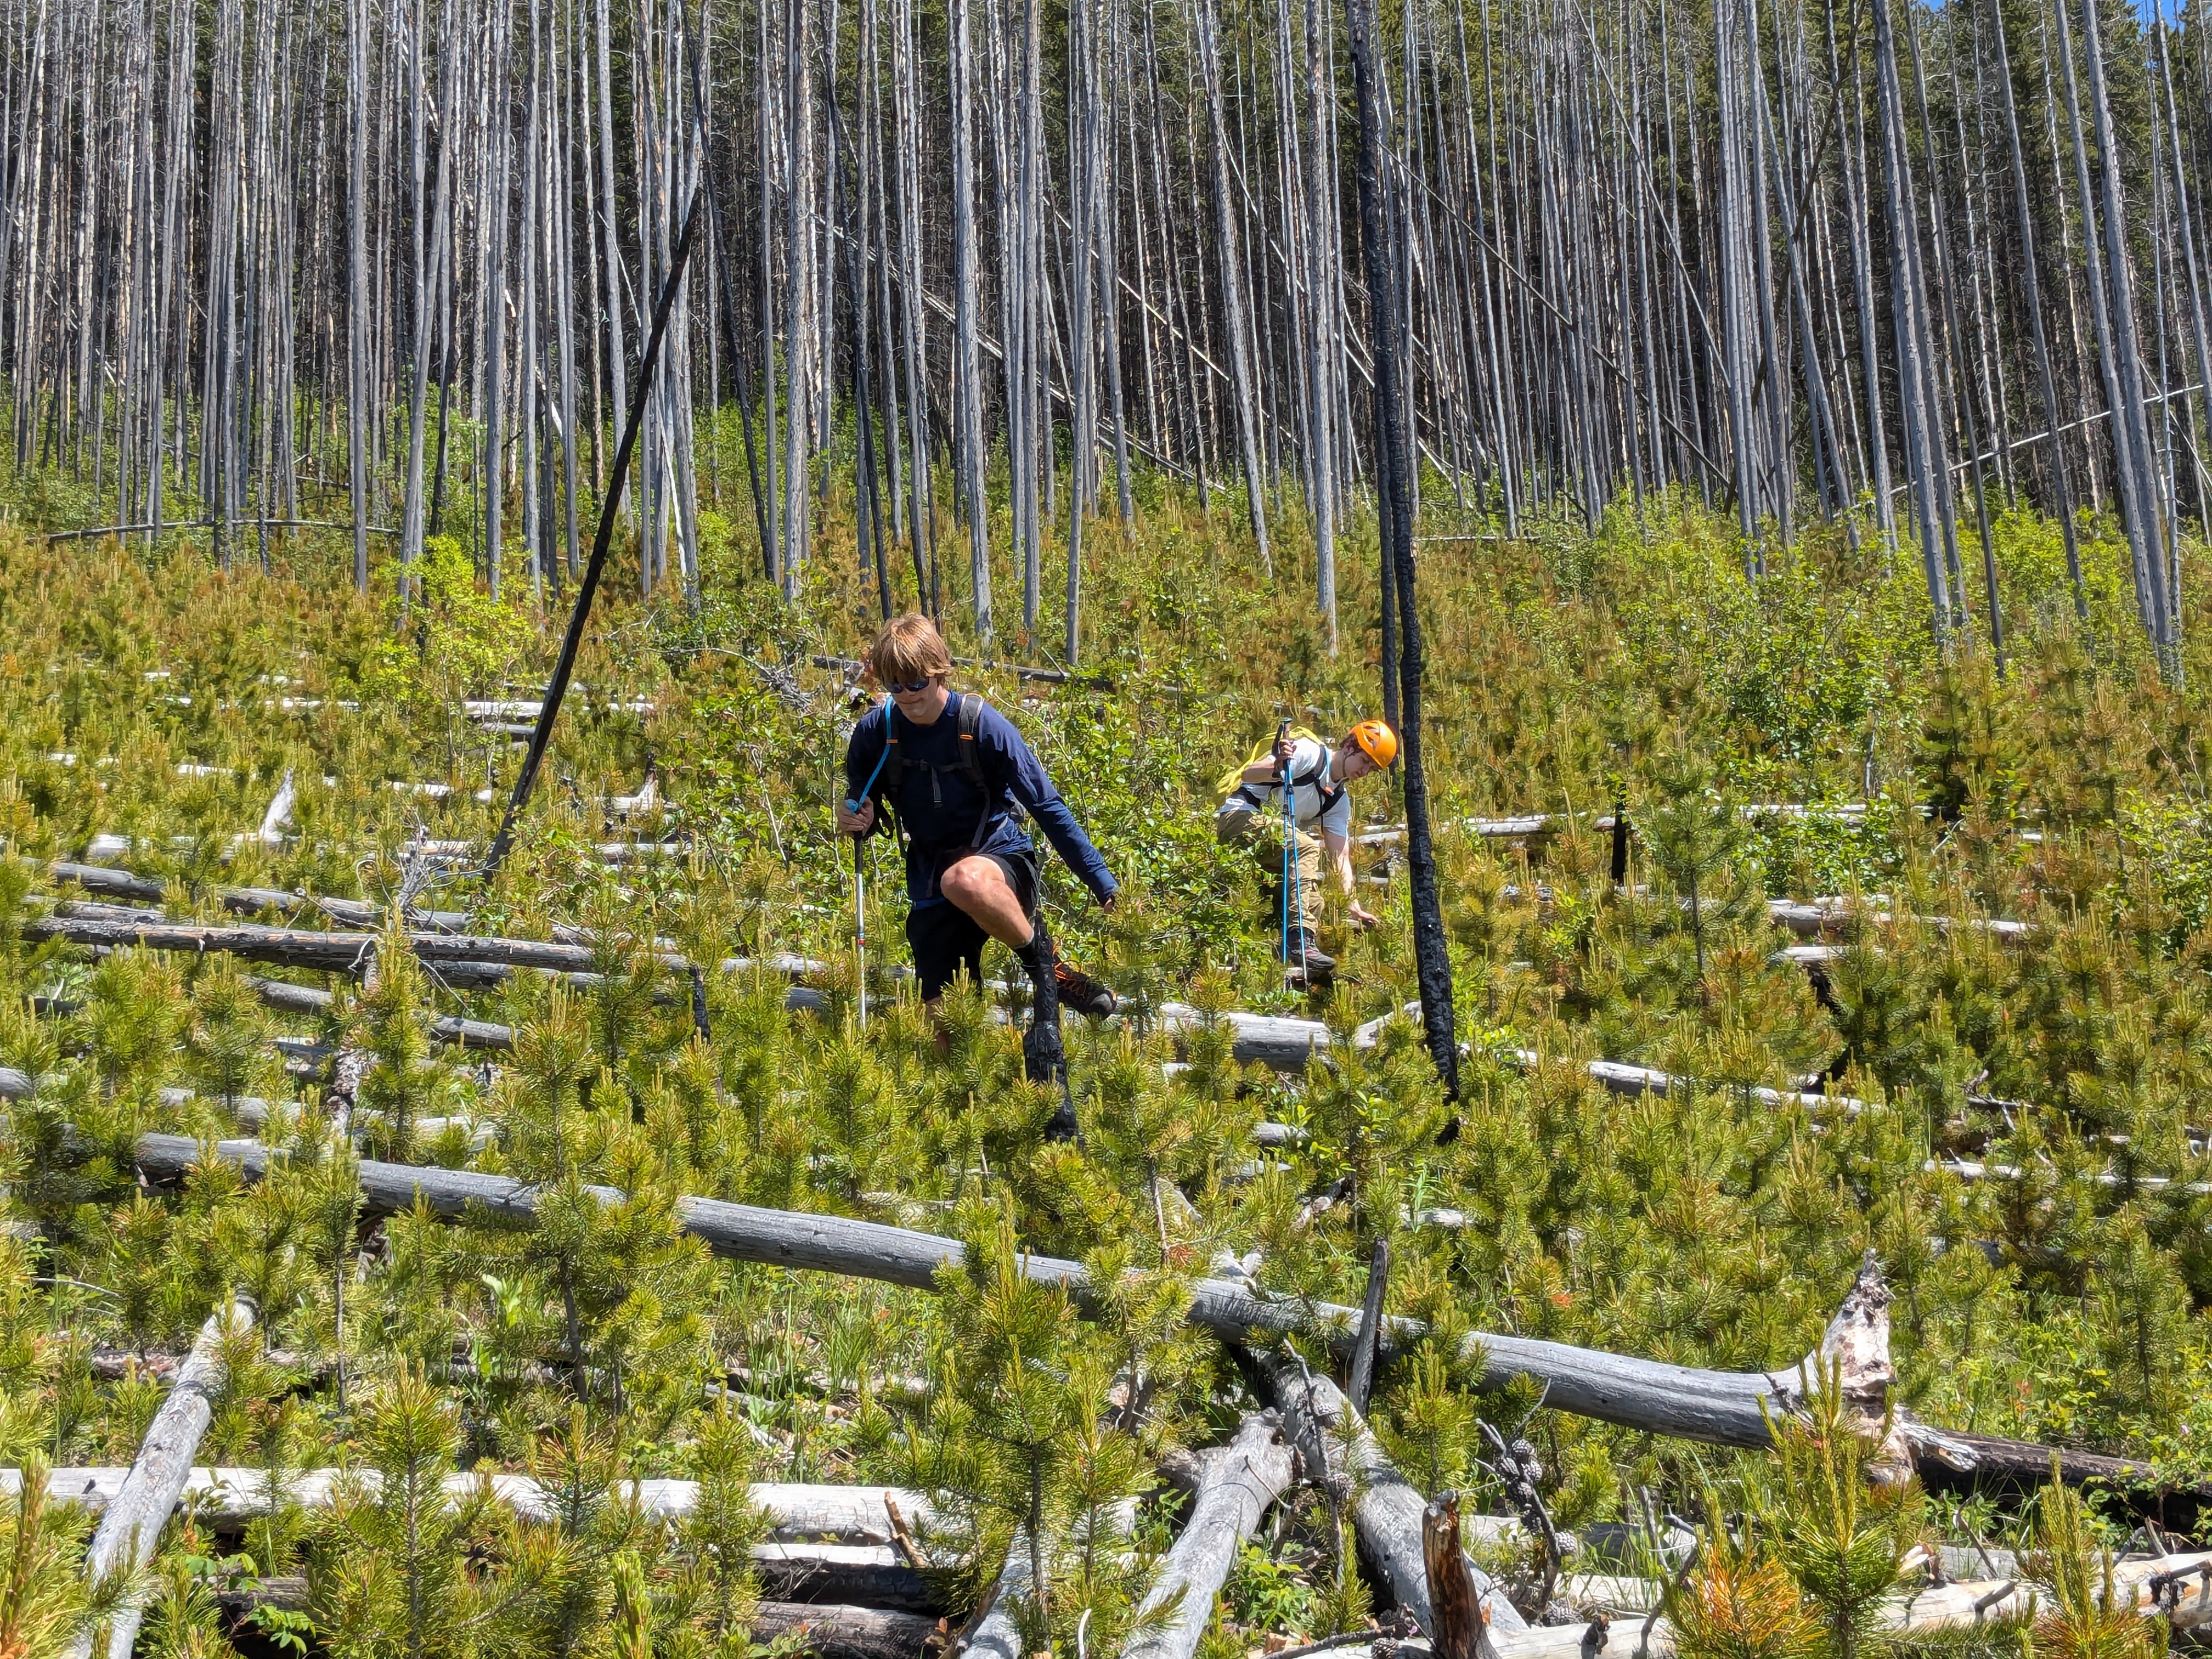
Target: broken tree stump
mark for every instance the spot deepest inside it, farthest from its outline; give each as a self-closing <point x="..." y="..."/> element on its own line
<point x="1458" y="1628"/>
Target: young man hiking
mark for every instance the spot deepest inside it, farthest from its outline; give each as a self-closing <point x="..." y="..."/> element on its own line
<point x="1321" y="778"/>
<point x="955" y="775"/>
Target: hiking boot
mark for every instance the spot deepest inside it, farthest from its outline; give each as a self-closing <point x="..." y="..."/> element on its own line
<point x="1078" y="991"/>
<point x="1306" y="952"/>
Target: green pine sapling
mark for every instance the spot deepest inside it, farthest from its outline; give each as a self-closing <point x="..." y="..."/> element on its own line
<point x="391" y="1022"/>
<point x="1013" y="1444"/>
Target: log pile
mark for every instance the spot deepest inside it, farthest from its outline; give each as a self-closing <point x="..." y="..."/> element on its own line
<point x="1728" y="1408"/>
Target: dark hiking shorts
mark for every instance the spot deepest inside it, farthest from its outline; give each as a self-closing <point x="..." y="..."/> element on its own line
<point x="944" y="938"/>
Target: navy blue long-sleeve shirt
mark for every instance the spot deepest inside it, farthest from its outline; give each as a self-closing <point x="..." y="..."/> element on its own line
<point x="945" y="817"/>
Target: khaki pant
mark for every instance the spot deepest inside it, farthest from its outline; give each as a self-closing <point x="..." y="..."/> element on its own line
<point x="1234" y="826"/>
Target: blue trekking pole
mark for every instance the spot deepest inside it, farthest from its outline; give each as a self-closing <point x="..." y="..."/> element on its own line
<point x="860" y="882"/>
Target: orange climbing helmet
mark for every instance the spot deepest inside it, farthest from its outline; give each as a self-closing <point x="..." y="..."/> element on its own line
<point x="1377" y="740"/>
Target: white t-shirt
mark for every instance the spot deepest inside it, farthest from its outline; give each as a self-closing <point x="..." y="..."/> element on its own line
<point x="1313" y="766"/>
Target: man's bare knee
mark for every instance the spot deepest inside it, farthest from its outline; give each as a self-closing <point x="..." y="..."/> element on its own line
<point x="971" y="881"/>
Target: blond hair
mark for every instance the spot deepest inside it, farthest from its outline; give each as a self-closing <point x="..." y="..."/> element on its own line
<point x="907" y="649"/>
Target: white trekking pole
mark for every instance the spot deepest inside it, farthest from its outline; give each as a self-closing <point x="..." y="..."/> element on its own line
<point x="1294" y="908"/>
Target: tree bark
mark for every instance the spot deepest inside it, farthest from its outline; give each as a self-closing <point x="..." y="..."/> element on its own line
<point x="1459" y="1628"/>
<point x="130" y="1525"/>
<point x="1397" y="483"/>
<point x="1338" y="1451"/>
<point x="1241" y="1482"/>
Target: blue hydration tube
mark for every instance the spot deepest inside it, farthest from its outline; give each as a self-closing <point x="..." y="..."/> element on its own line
<point x="853" y="802"/>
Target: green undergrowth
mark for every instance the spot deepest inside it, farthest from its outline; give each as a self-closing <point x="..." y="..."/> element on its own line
<point x="2059" y="1297"/>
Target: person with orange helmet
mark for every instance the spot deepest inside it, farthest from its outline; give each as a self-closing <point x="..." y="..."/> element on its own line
<point x="1320" y="779"/>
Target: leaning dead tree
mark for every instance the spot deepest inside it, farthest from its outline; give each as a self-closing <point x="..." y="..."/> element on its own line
<point x="389" y="269"/>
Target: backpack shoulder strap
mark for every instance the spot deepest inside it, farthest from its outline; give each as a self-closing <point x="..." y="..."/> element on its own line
<point x="894" y="766"/>
<point x="969" y="721"/>
<point x="969" y="761"/>
<point x="1326" y="795"/>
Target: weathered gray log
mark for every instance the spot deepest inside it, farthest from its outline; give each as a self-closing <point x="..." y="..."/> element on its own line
<point x="1829" y="916"/>
<point x="1946" y="1458"/>
<point x="1339" y="1451"/>
<point x="1238" y="1486"/>
<point x="995" y="1635"/>
<point x="843" y="1632"/>
<point x="1727" y="1408"/>
<point x="114" y="884"/>
<point x="457" y="965"/>
<point x="296" y="947"/>
<point x="131" y="1526"/>
<point x="2178" y="1586"/>
<point x="447" y="1029"/>
<point x="225" y="1498"/>
<point x="1720" y="1407"/>
<point x="1969" y="1169"/>
<point x="461" y="959"/>
<point x="831" y="1632"/>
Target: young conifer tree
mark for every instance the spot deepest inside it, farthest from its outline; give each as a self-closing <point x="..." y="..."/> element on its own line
<point x="1016" y="1448"/>
<point x="392" y="1021"/>
<point x="1838" y="1530"/>
<point x="1694" y="838"/>
<point x="230" y="1037"/>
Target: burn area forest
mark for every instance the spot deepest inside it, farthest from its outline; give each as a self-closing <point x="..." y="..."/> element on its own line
<point x="477" y="1177"/>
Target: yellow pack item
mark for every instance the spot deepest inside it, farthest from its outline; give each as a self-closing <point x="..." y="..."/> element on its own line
<point x="1229" y="781"/>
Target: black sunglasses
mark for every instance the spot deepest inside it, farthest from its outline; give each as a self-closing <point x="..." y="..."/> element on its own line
<point x="908" y="690"/>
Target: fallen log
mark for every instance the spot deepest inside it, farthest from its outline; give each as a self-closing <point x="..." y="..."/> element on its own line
<point x="1341" y="1454"/>
<point x="2178" y="1587"/>
<point x="1545" y="823"/>
<point x="1728" y="1408"/>
<point x="114" y="883"/>
<point x="225" y="1499"/>
<point x="863" y="1575"/>
<point x="448" y="1028"/>
<point x="130" y="1525"/>
<point x="1827" y="916"/>
<point x="842" y="1632"/>
<point x="830" y="1632"/>
<point x="995" y="1635"/>
<point x="1968" y="1169"/>
<point x="457" y="957"/>
<point x="112" y="925"/>
<point x="1236" y="1487"/>
<point x="1948" y="1459"/>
